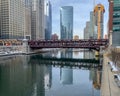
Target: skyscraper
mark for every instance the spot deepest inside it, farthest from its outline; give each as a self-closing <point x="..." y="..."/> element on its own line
<point x="99" y="16"/>
<point x="37" y="23"/>
<point x="66" y="30"/>
<point x="116" y="23"/>
<point x="110" y="22"/>
<point x="87" y="30"/>
<point x="66" y="22"/>
<point x="28" y="9"/>
<point x="48" y="20"/>
<point x="92" y="26"/>
<point x="12" y="19"/>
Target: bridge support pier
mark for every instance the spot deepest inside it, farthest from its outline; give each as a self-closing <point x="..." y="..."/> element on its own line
<point x="26" y="48"/>
<point x="100" y="52"/>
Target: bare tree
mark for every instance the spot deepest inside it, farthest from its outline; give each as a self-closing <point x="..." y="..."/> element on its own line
<point x="115" y="56"/>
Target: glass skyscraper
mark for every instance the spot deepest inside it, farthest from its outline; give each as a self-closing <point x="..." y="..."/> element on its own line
<point x="66" y="22"/>
<point x="92" y="26"/>
<point x="66" y="29"/>
<point x="116" y="23"/>
<point x="48" y="20"/>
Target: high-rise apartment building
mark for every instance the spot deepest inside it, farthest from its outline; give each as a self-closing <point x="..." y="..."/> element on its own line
<point x="99" y="18"/>
<point x="48" y="20"/>
<point x="116" y="23"/>
<point x="37" y="22"/>
<point x="66" y="22"/>
<point x="12" y="19"/>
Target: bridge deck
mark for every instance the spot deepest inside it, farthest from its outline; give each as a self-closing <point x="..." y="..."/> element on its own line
<point x="90" y="43"/>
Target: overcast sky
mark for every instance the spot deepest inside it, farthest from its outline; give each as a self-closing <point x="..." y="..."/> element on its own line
<point x="81" y="14"/>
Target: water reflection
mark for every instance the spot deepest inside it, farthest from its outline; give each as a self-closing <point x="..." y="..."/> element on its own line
<point x="95" y="77"/>
<point x="48" y="77"/>
<point x="66" y="74"/>
<point x="21" y="77"/>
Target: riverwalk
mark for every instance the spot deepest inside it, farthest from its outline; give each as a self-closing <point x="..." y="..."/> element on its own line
<point x="108" y="86"/>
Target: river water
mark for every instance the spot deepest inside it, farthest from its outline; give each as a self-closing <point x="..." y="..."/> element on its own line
<point x="34" y="75"/>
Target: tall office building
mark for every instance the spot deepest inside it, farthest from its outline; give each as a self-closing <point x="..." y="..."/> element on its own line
<point x="87" y="30"/>
<point x="66" y="22"/>
<point x="99" y="18"/>
<point x="12" y="19"/>
<point x="28" y="9"/>
<point x="37" y="22"/>
<point x="110" y="22"/>
<point x="92" y="26"/>
<point x="48" y="20"/>
<point x="116" y="23"/>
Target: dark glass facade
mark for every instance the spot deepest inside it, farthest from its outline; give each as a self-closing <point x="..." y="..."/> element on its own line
<point x="116" y="23"/>
<point x="66" y="22"/>
<point x="48" y="20"/>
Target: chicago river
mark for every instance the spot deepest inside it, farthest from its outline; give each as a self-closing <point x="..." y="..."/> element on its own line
<point x="32" y="75"/>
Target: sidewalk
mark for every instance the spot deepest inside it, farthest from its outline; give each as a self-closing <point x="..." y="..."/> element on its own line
<point x="108" y="86"/>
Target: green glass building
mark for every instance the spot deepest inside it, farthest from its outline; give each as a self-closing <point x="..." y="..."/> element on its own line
<point x="116" y="23"/>
<point x="66" y="22"/>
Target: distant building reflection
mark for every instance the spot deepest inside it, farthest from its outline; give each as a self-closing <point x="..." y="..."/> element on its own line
<point x="16" y="78"/>
<point x="95" y="77"/>
<point x="66" y="74"/>
<point x="48" y="73"/>
<point x="48" y="77"/>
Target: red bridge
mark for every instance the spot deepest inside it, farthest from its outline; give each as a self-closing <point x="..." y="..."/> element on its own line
<point x="82" y="43"/>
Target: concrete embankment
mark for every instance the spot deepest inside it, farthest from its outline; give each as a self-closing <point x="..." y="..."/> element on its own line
<point x="108" y="86"/>
<point x="29" y="53"/>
